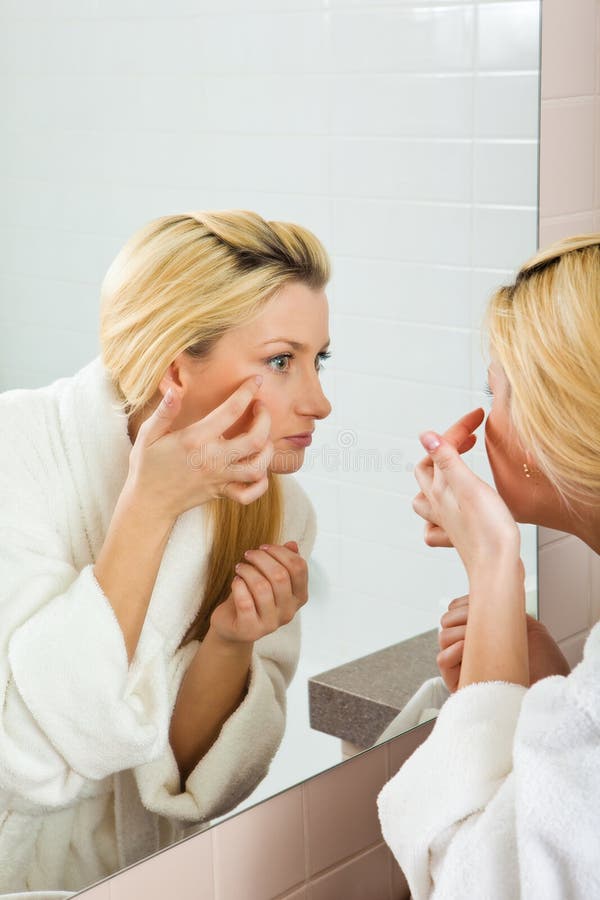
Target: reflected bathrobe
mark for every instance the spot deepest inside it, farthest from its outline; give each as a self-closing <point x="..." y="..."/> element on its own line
<point x="88" y="781"/>
<point x="502" y="800"/>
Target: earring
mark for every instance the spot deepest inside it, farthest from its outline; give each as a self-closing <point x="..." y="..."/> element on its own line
<point x="530" y="471"/>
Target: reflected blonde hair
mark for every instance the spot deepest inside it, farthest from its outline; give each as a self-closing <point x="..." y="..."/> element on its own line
<point x="545" y="331"/>
<point x="179" y="284"/>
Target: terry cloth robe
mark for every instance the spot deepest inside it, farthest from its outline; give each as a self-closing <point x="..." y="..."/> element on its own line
<point x="502" y="800"/>
<point x="88" y="781"/>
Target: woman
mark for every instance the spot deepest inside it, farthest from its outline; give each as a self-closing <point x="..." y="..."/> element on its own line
<point x="503" y="798"/>
<point x="149" y="624"/>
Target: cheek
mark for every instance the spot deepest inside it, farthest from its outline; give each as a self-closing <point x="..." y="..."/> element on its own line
<point x="506" y="463"/>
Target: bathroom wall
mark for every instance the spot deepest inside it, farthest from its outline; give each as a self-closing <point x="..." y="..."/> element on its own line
<point x="332" y="815"/>
<point x="318" y="841"/>
<point x="404" y="133"/>
<point x="391" y="128"/>
<point x="569" y="573"/>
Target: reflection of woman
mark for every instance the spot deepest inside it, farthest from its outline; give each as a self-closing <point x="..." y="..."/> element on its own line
<point x="503" y="798"/>
<point x="143" y="681"/>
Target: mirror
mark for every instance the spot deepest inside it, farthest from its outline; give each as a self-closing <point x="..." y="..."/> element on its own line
<point x="405" y="135"/>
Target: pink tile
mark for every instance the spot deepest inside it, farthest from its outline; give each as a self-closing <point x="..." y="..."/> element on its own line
<point x="597" y="148"/>
<point x="97" y="892"/>
<point x="564" y="587"/>
<point x="568" y="48"/>
<point x="183" y="871"/>
<point x="342" y="810"/>
<point x="597" y="49"/>
<point x="403" y="746"/>
<point x="572" y="648"/>
<point x="400" y="889"/>
<point x="548" y="535"/>
<point x="552" y="230"/>
<point x="366" y="876"/>
<point x="301" y="894"/>
<point x="260" y="853"/>
<point x="567" y="157"/>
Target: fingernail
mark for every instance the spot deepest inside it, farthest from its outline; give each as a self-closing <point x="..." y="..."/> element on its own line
<point x="430" y="441"/>
<point x="264" y="546"/>
<point x="237" y="568"/>
<point x="246" y="552"/>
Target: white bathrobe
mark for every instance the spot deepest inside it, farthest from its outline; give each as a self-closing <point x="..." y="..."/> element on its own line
<point x="88" y="781"/>
<point x="502" y="800"/>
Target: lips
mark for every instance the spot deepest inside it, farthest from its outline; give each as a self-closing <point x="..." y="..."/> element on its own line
<point x="300" y="440"/>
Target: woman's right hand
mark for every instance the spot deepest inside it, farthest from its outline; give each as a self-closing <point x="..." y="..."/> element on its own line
<point x="176" y="470"/>
<point x="545" y="656"/>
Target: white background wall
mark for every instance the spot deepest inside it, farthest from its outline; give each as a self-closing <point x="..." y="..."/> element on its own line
<point x="404" y="134"/>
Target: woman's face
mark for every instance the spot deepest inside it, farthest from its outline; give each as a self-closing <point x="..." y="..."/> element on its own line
<point x="286" y="344"/>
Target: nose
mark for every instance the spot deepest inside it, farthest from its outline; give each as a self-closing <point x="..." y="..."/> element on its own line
<point x="313" y="402"/>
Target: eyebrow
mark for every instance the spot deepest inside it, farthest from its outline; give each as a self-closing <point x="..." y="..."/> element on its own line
<point x="293" y="344"/>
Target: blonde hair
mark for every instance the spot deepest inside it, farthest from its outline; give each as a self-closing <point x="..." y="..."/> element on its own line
<point x="179" y="284"/>
<point x="545" y="331"/>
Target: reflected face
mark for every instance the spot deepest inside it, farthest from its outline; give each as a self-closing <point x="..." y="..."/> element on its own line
<point x="530" y="499"/>
<point x="286" y="344"/>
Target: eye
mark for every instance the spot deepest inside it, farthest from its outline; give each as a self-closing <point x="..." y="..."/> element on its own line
<point x="321" y="358"/>
<point x="280" y="363"/>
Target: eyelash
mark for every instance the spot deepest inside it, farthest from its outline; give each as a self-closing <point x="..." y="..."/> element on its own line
<point x="321" y="357"/>
<point x="487" y="390"/>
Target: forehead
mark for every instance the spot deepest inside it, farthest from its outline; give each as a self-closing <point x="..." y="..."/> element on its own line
<point x="296" y="313"/>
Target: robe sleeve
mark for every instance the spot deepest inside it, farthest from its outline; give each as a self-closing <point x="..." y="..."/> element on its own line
<point x="240" y="757"/>
<point x="71" y="708"/>
<point x="503" y="798"/>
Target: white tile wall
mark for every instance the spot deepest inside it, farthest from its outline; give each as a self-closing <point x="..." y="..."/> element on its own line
<point x="404" y="133"/>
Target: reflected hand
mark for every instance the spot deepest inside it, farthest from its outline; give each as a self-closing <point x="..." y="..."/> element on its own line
<point x="461" y="436"/>
<point x="545" y="656"/>
<point x="267" y="592"/>
<point x="175" y="470"/>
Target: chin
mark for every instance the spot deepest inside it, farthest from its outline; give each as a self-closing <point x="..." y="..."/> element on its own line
<point x="286" y="462"/>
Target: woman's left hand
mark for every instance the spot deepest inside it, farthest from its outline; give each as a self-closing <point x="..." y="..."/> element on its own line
<point x="267" y="592"/>
<point x="463" y="508"/>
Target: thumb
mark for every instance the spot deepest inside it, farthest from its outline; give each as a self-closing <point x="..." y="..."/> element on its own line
<point x="444" y="455"/>
<point x="160" y="421"/>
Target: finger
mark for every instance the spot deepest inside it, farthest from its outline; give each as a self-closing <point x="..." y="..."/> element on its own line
<point x="244" y="602"/>
<point x="455" y="617"/>
<point x="296" y="566"/>
<point x="459" y="601"/>
<point x="424" y="475"/>
<point x="422" y="507"/>
<point x="458" y="433"/>
<point x="233" y="408"/>
<point x="160" y="421"/>
<point x="277" y="575"/>
<point x="468" y="444"/>
<point x="253" y="440"/>
<point x="447" y="462"/>
<point x="451" y="657"/>
<point x="254" y="468"/>
<point x="262" y="594"/>
<point x="435" y="536"/>
<point x="245" y="493"/>
<point x="449" y="636"/>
